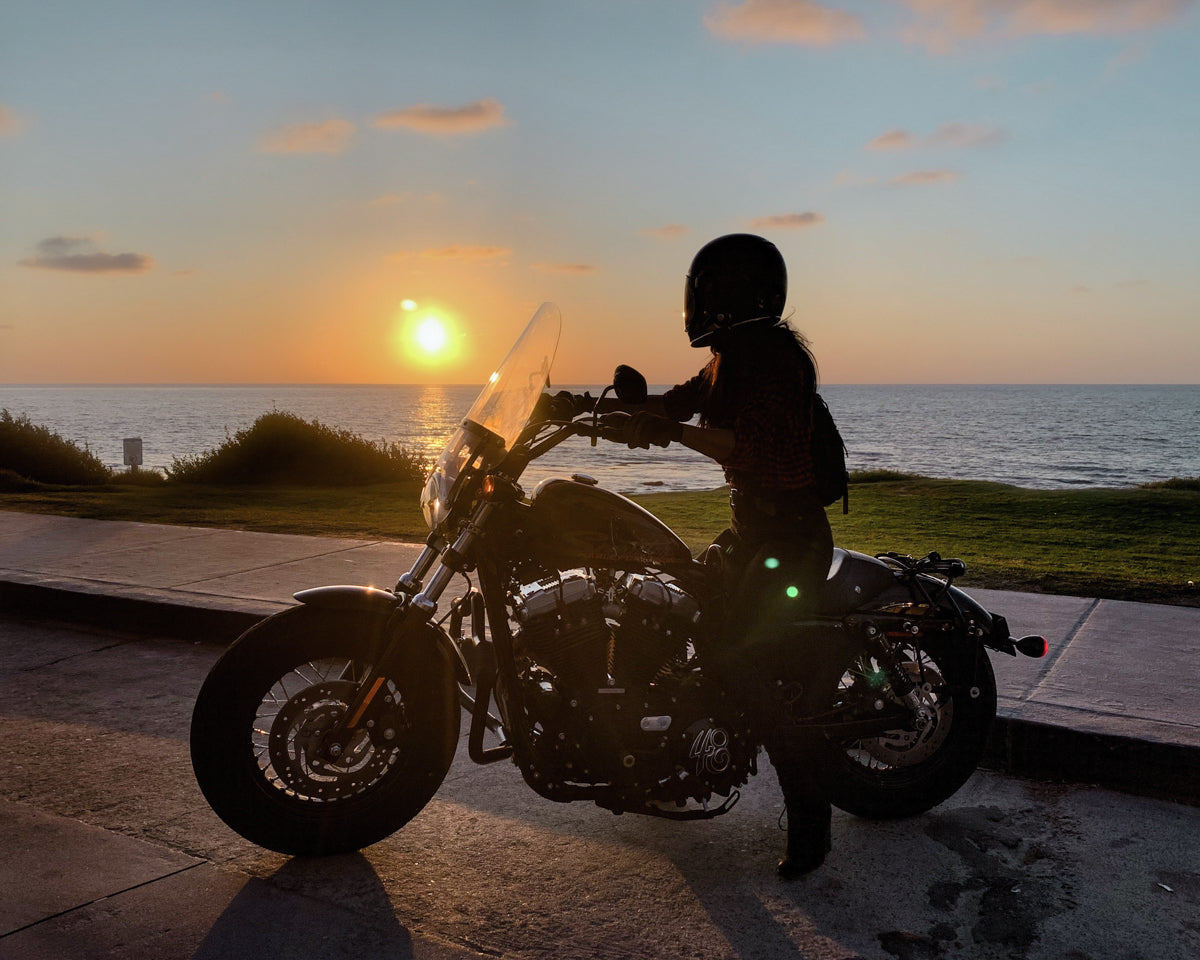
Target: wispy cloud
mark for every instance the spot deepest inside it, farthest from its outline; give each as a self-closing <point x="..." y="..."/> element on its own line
<point x="81" y="255"/>
<point x="670" y="231"/>
<point x="455" y="252"/>
<point x="788" y="221"/>
<point x="802" y="22"/>
<point x="576" y="268"/>
<point x="446" y="121"/>
<point x="964" y="135"/>
<point x="10" y="122"/>
<point x="327" y="136"/>
<point x="940" y="24"/>
<point x="892" y="140"/>
<point x="918" y="177"/>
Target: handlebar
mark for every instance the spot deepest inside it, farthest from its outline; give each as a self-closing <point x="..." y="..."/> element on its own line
<point x="951" y="568"/>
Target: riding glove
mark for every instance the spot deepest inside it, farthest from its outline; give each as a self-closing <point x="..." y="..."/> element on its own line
<point x="645" y="429"/>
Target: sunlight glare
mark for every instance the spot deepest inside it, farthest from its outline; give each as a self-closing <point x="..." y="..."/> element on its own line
<point x="431" y="335"/>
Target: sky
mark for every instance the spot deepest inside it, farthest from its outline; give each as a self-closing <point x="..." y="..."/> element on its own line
<point x="965" y="191"/>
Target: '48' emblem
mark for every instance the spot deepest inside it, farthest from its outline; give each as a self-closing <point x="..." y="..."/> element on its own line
<point x="710" y="750"/>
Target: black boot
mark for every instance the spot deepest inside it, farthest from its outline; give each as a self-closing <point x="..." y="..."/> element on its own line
<point x="809" y="839"/>
<point x="809" y="813"/>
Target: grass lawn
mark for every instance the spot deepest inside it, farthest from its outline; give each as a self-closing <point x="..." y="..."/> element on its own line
<point x="1136" y="544"/>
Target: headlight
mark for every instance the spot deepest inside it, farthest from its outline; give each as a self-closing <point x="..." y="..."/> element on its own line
<point x="435" y="499"/>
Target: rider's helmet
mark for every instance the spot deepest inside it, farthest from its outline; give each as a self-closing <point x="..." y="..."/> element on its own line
<point x="734" y="280"/>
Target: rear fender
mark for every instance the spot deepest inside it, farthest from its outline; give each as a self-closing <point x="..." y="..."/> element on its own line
<point x="375" y="600"/>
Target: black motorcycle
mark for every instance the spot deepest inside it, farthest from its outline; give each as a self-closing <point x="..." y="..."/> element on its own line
<point x="590" y="627"/>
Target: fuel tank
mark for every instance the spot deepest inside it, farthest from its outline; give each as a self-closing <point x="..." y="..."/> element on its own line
<point x="578" y="524"/>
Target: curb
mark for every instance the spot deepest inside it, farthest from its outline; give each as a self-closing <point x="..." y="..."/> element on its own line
<point x="1042" y="751"/>
<point x="199" y="620"/>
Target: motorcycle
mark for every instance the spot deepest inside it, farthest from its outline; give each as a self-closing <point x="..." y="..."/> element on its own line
<point x="590" y="627"/>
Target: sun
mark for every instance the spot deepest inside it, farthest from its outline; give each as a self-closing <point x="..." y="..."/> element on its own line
<point x="427" y="337"/>
<point x="431" y="335"/>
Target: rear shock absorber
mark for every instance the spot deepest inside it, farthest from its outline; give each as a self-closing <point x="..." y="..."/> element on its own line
<point x="905" y="689"/>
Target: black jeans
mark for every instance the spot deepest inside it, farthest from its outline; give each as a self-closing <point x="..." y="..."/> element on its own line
<point x="779" y="552"/>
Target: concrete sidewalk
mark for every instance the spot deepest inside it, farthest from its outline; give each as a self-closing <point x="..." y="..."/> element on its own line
<point x="1115" y="702"/>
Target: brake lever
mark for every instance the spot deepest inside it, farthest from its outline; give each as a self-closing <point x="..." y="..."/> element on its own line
<point x="596" y="413"/>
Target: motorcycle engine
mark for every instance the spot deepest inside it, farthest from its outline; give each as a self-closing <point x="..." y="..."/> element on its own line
<point x="615" y="692"/>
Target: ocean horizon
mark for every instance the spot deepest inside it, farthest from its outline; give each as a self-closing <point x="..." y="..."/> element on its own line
<point x="1043" y="436"/>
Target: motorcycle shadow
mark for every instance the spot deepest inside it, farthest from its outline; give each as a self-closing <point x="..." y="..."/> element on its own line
<point x="313" y="908"/>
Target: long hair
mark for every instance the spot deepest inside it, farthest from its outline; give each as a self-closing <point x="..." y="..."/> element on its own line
<point x="744" y="357"/>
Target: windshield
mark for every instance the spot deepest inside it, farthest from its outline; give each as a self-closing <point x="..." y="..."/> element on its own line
<point x="512" y="391"/>
<point x="500" y="411"/>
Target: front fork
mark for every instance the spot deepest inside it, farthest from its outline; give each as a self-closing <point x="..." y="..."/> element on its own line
<point x="415" y="607"/>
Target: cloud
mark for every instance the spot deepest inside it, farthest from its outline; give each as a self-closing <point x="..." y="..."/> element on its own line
<point x="940" y="24"/>
<point x="10" y="123"/>
<point x="802" y="22"/>
<point x="925" y="176"/>
<point x="964" y="135"/>
<point x="328" y="136"/>
<point x="892" y="140"/>
<point x="446" y="121"/>
<point x="457" y="252"/>
<point x="788" y="221"/>
<point x="80" y="255"/>
<point x="576" y="268"/>
<point x="671" y="231"/>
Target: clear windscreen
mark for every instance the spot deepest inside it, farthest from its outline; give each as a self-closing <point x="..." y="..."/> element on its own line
<point x="513" y="390"/>
<point x="502" y="409"/>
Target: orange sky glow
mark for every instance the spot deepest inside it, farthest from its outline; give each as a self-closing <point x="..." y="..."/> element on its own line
<point x="965" y="192"/>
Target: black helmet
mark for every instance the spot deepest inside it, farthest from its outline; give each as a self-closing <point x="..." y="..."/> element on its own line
<point x="736" y="279"/>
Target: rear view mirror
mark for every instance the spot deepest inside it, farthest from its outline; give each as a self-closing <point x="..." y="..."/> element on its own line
<point x="629" y="385"/>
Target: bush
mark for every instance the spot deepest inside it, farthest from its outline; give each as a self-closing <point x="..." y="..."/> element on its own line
<point x="37" y="453"/>
<point x="282" y="448"/>
<point x="1175" y="483"/>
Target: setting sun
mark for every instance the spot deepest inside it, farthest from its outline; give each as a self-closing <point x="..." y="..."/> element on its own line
<point x="427" y="338"/>
<point x="431" y="335"/>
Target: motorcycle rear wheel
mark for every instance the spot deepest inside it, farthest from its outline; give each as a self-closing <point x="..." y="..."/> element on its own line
<point x="902" y="773"/>
<point x="261" y="712"/>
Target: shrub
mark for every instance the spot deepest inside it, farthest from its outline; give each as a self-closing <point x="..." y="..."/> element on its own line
<point x="282" y="448"/>
<point x="37" y="453"/>
<point x="1175" y="483"/>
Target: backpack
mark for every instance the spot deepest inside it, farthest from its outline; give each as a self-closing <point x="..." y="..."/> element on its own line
<point x="829" y="457"/>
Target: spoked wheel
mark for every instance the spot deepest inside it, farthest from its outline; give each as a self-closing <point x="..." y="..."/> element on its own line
<point x="262" y="716"/>
<point x="906" y="771"/>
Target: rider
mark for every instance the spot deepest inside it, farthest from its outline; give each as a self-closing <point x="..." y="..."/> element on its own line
<point x="755" y="398"/>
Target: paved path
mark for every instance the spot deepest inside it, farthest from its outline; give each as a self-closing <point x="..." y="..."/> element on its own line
<point x="1116" y="701"/>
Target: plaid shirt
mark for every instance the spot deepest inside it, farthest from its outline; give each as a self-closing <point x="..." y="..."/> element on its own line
<point x="772" y="428"/>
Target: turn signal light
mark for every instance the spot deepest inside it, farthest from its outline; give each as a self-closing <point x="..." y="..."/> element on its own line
<point x="1033" y="646"/>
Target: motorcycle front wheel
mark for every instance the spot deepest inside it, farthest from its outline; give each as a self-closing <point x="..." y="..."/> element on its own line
<point x="904" y="772"/>
<point x="261" y="714"/>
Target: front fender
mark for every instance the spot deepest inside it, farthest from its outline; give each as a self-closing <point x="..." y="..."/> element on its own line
<point x="376" y="600"/>
<point x="349" y="597"/>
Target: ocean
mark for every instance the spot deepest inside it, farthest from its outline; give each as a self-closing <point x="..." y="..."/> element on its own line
<point x="1035" y="436"/>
